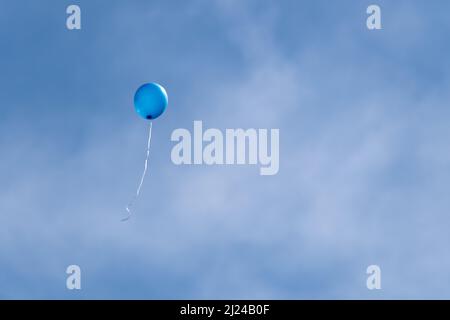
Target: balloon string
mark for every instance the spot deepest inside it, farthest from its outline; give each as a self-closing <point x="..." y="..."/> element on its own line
<point x="130" y="204"/>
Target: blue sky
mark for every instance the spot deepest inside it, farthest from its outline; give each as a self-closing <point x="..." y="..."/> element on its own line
<point x="364" y="158"/>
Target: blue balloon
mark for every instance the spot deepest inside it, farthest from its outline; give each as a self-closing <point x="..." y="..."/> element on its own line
<point x="150" y="100"/>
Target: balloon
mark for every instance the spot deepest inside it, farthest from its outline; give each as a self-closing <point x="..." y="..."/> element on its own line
<point x="150" y="100"/>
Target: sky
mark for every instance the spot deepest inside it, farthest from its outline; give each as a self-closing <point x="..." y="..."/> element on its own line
<point x="364" y="155"/>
